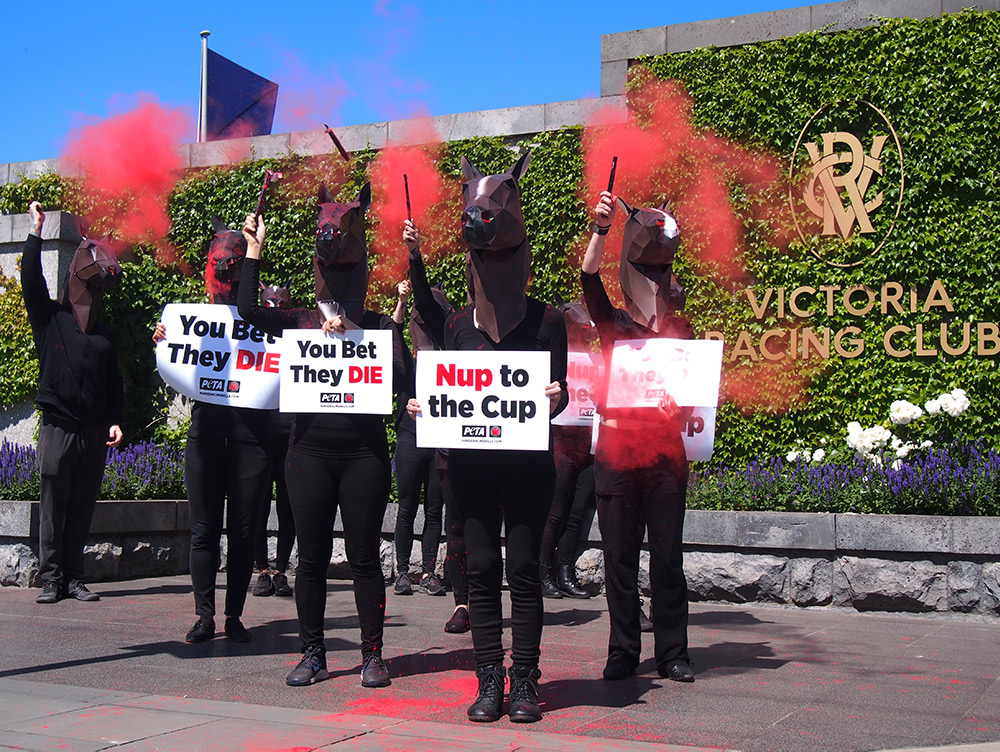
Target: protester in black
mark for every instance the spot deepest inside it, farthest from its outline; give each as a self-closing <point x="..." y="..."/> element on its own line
<point x="640" y="469"/>
<point x="335" y="460"/>
<point x="80" y="396"/>
<point x="512" y="488"/>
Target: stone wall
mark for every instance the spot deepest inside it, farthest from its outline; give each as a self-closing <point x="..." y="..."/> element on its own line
<point x="868" y="562"/>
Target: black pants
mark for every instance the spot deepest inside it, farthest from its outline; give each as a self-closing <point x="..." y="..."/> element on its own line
<point x="415" y="472"/>
<point x="286" y="522"/>
<point x="628" y="502"/>
<point x="230" y="476"/>
<point x="573" y="496"/>
<point x="514" y="489"/>
<point x="71" y="466"/>
<point x="455" y="561"/>
<point x="359" y="486"/>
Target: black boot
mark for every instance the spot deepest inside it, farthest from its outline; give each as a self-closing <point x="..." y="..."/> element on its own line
<point x="566" y="581"/>
<point x="549" y="587"/>
<point x="524" y="694"/>
<point x="488" y="706"/>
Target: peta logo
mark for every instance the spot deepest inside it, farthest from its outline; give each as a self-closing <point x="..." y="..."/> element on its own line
<point x="495" y="432"/>
<point x="329" y="398"/>
<point x="586" y="412"/>
<point x="656" y="393"/>
<point x="474" y="431"/>
<point x="212" y="385"/>
<point x="233" y="387"/>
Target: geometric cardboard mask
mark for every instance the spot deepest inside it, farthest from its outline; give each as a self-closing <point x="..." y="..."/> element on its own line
<point x="93" y="269"/>
<point x="341" y="260"/>
<point x="650" y="240"/>
<point x="494" y="232"/>
<point x="226" y="252"/>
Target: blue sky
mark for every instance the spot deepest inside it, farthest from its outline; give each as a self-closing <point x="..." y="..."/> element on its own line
<point x="73" y="63"/>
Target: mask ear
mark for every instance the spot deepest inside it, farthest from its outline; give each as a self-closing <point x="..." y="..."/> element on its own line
<point x="365" y="197"/>
<point x="324" y="195"/>
<point x="521" y="166"/>
<point x="665" y="207"/>
<point x="469" y="170"/>
<point x="559" y="301"/>
<point x="84" y="227"/>
<point x="218" y="225"/>
<point x="624" y="206"/>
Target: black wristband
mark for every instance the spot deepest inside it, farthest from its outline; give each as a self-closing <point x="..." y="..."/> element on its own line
<point x="599" y="229"/>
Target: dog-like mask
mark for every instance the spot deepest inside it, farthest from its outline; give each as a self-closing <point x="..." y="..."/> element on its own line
<point x="94" y="268"/>
<point x="651" y="238"/>
<point x="341" y="261"/>
<point x="493" y="228"/>
<point x="226" y="252"/>
<point x="274" y="296"/>
<point x="581" y="332"/>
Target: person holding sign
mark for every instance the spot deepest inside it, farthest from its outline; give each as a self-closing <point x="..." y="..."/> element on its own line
<point x="640" y="468"/>
<point x="336" y="460"/>
<point x="503" y="487"/>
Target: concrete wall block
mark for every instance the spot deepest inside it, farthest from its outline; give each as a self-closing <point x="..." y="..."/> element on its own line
<point x="965" y="581"/>
<point x="59" y="225"/>
<point x="20" y="226"/>
<point x="955" y="6"/>
<point x="903" y="532"/>
<point x="19" y="423"/>
<point x="736" y="577"/>
<point x="19" y="519"/>
<point x="123" y="517"/>
<point x="102" y="561"/>
<point x="786" y="530"/>
<point x="581" y="111"/>
<point x="975" y="535"/>
<point x="737" y="30"/>
<point x="643" y="580"/>
<point x="212" y="153"/>
<point x="152" y="556"/>
<point x="900" y="8"/>
<point x="614" y="76"/>
<point x="508" y="121"/>
<point x="17" y="170"/>
<point x="358" y="137"/>
<point x="18" y="566"/>
<point x="990" y="602"/>
<point x="6" y="233"/>
<point x="708" y="527"/>
<point x="270" y="147"/>
<point x="870" y="584"/>
<point x="628" y="45"/>
<point x="810" y="581"/>
<point x="5" y="173"/>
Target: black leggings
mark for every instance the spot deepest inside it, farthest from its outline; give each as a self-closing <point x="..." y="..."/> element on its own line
<point x="514" y="489"/>
<point x="286" y="522"/>
<point x="574" y="495"/>
<point x="415" y="472"/>
<point x="455" y="561"/>
<point x="223" y="474"/>
<point x="359" y="486"/>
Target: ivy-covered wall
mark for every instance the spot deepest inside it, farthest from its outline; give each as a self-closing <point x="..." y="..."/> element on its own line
<point x="936" y="81"/>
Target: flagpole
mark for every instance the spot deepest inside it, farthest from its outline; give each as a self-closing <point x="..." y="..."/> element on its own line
<point x="203" y="99"/>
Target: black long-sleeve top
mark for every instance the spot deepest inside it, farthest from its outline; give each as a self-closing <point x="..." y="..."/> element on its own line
<point x="542" y="329"/>
<point x="79" y="380"/>
<point x="614" y="324"/>
<point x="323" y="434"/>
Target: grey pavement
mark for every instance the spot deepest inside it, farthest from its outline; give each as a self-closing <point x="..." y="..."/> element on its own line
<point x="117" y="674"/>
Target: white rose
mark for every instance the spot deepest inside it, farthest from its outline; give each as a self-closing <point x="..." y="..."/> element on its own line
<point x="902" y="412"/>
<point x="792" y="456"/>
<point x="933" y="407"/>
<point x="818" y="455"/>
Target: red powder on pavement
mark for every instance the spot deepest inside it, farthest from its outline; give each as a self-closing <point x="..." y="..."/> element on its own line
<point x="129" y="163"/>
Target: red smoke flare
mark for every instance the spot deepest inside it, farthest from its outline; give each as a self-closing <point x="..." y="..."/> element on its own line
<point x="430" y="198"/>
<point x="129" y="164"/>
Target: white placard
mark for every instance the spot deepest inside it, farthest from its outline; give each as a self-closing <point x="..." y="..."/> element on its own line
<point x="483" y="400"/>
<point x="699" y="434"/>
<point x="584" y="372"/>
<point x="212" y="355"/>
<point x="644" y="371"/>
<point x="332" y="373"/>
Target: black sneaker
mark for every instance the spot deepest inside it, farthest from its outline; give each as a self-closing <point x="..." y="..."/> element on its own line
<point x="76" y="589"/>
<point x="263" y="587"/>
<point x="281" y="586"/>
<point x="374" y="672"/>
<point x="403" y="586"/>
<point x="311" y="669"/>
<point x="50" y="593"/>
<point x="202" y="631"/>
<point x="459" y="621"/>
<point x="431" y="585"/>
<point x="235" y="630"/>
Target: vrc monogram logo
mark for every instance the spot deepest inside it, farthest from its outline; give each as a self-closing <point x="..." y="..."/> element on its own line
<point x="843" y="186"/>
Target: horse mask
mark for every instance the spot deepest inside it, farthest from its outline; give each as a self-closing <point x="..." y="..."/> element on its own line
<point x="93" y="269"/>
<point x="650" y="239"/>
<point x="581" y="332"/>
<point x="226" y="252"/>
<point x="420" y="335"/>
<point x="493" y="228"/>
<point x="273" y="296"/>
<point x="341" y="261"/>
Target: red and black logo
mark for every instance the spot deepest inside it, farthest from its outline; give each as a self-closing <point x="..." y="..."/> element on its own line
<point x="495" y="432"/>
<point x="233" y="387"/>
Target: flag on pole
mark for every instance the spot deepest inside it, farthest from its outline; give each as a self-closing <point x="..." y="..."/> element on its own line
<point x="236" y="102"/>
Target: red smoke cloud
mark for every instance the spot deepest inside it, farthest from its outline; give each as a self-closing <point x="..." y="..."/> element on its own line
<point x="129" y="163"/>
<point x="432" y="202"/>
<point x="308" y="99"/>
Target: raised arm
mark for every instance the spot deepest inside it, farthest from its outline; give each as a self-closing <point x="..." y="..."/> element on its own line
<point x="429" y="309"/>
<point x="270" y="320"/>
<point x="33" y="288"/>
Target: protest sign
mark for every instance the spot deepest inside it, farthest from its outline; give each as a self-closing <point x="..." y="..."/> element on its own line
<point x="645" y="371"/>
<point x="349" y="372"/>
<point x="483" y="399"/>
<point x="212" y="355"/>
<point x="699" y="434"/>
<point x="584" y="371"/>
